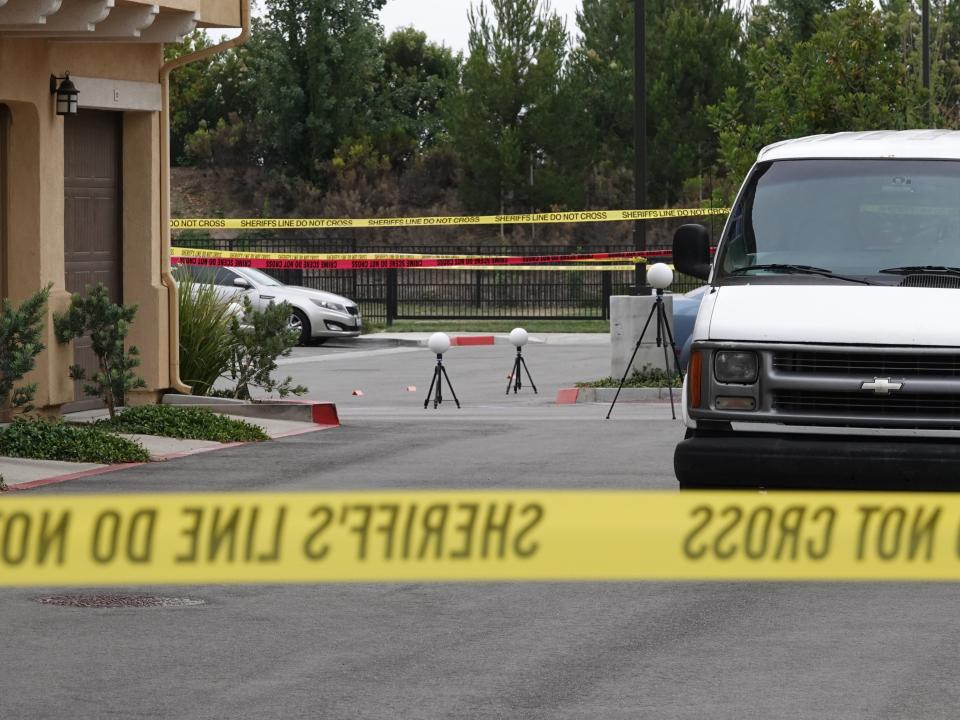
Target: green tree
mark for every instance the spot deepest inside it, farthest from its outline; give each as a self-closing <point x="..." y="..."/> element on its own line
<point x="693" y="55"/>
<point x="318" y="64"/>
<point x="850" y="74"/>
<point x="217" y="91"/>
<point x="417" y="76"/>
<point x="501" y="117"/>
<point x="790" y="21"/>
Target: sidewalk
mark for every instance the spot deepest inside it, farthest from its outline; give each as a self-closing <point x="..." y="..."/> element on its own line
<point x="24" y="474"/>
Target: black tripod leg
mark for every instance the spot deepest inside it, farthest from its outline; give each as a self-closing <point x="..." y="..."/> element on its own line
<point x="633" y="357"/>
<point x="438" y="398"/>
<point x="661" y="318"/>
<point x="449" y="384"/>
<point x="513" y="379"/>
<point x="430" y="391"/>
<point x="528" y="375"/>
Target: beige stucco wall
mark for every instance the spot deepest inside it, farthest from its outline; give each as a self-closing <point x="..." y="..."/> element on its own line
<point x="36" y="198"/>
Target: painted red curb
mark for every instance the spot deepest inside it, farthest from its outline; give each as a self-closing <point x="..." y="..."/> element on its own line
<point x="472" y="340"/>
<point x="326" y="414"/>
<point x="71" y="476"/>
<point x="567" y="396"/>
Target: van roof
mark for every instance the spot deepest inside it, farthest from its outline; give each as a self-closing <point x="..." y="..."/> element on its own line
<point x="916" y="144"/>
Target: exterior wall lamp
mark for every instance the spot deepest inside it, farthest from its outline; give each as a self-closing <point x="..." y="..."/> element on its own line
<point x="66" y="93"/>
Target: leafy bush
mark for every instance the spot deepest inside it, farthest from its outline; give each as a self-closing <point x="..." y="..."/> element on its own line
<point x="258" y="340"/>
<point x="647" y="377"/>
<point x="183" y="422"/>
<point x="56" y="440"/>
<point x="205" y="346"/>
<point x="20" y="331"/>
<point x="107" y="325"/>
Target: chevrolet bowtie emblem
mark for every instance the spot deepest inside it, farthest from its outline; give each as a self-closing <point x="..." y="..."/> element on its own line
<point x="881" y="386"/>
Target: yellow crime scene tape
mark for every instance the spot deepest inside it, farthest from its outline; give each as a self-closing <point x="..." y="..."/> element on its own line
<point x="381" y="261"/>
<point x="181" y="252"/>
<point x="588" y="216"/>
<point x="521" y="535"/>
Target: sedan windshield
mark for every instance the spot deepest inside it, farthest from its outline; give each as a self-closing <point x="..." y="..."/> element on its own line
<point x="261" y="278"/>
<point x="851" y="218"/>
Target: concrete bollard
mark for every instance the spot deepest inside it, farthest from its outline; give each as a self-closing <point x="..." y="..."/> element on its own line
<point x="628" y="313"/>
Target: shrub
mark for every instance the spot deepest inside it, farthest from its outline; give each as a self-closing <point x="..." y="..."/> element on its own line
<point x="205" y="343"/>
<point x="20" y="332"/>
<point x="107" y="324"/>
<point x="183" y="422"/>
<point x="56" y="440"/>
<point x="258" y="340"/>
<point x="647" y="377"/>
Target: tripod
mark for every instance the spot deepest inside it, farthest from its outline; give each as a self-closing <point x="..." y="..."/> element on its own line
<point x="515" y="375"/>
<point x="437" y="381"/>
<point x="662" y="325"/>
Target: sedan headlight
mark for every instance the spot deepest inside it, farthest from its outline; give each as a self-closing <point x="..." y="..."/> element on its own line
<point x="327" y="305"/>
<point x="736" y="367"/>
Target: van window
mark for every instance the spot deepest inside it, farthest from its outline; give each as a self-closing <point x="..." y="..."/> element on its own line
<point x="854" y="216"/>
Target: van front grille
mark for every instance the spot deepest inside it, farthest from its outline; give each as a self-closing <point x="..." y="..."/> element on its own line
<point x="867" y="364"/>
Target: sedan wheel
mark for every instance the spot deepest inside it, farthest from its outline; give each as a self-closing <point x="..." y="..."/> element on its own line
<point x="300" y="323"/>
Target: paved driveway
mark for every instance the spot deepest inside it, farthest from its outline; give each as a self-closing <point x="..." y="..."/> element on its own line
<point x="486" y="650"/>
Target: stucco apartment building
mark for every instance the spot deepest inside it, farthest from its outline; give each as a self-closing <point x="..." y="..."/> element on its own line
<point x="84" y="196"/>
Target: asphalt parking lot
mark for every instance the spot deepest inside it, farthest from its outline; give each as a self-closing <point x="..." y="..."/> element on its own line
<point x="484" y="650"/>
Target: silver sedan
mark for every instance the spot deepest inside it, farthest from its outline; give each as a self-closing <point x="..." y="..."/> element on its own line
<point x="318" y="315"/>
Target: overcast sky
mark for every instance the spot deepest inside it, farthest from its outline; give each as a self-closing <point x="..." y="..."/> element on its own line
<point x="445" y="21"/>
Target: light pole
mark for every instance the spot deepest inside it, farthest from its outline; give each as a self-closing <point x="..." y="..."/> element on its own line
<point x="640" y="138"/>
<point x="925" y="33"/>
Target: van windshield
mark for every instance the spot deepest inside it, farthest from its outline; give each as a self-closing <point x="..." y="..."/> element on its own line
<point x="851" y="217"/>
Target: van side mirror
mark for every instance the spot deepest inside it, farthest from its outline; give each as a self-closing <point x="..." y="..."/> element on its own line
<point x="691" y="251"/>
<point x="241" y="283"/>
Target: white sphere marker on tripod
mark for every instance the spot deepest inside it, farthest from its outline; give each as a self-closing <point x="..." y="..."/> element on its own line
<point x="519" y="338"/>
<point x="660" y="277"/>
<point x="439" y="343"/>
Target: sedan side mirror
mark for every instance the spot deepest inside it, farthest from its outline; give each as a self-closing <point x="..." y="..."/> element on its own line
<point x="242" y="282"/>
<point x="691" y="251"/>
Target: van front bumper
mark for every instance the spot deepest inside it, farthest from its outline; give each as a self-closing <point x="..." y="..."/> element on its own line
<point x="722" y="459"/>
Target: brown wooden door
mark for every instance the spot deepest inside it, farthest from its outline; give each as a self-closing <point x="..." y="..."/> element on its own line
<point x="92" y="230"/>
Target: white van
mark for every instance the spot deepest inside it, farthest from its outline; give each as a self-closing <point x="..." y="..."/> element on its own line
<point x="827" y="350"/>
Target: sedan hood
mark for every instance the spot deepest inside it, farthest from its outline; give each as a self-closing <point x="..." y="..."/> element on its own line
<point x="863" y="315"/>
<point x="288" y="292"/>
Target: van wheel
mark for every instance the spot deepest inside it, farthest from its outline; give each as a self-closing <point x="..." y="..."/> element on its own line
<point x="300" y="323"/>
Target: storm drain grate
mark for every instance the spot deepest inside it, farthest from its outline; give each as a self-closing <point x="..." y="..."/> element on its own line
<point x="119" y="601"/>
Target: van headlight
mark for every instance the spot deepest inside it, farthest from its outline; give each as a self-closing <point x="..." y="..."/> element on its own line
<point x="327" y="305"/>
<point x="736" y="366"/>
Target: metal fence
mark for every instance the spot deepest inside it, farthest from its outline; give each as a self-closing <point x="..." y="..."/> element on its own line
<point x="433" y="294"/>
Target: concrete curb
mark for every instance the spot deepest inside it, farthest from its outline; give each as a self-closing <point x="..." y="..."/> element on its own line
<point x="568" y="396"/>
<point x="320" y="413"/>
<point x="390" y="342"/>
